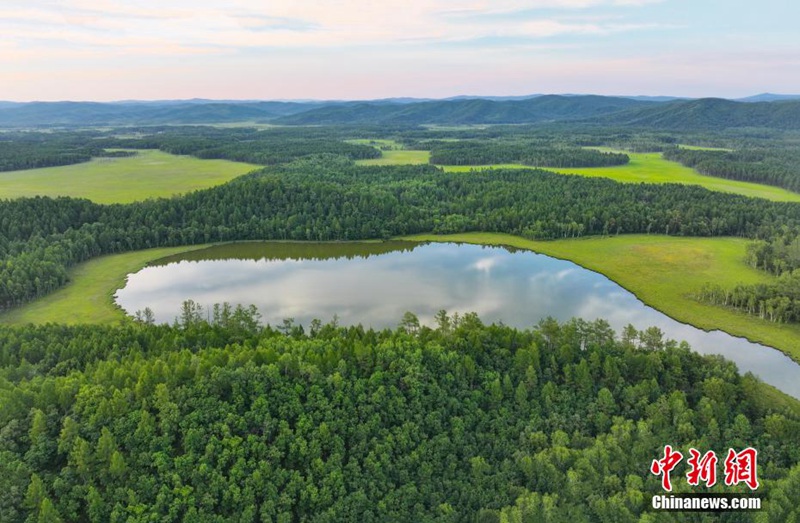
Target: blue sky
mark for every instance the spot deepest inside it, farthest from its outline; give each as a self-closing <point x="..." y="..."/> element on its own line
<point x="356" y="49"/>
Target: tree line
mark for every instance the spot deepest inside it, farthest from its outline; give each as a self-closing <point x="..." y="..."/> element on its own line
<point x="778" y="301"/>
<point x="230" y="420"/>
<point x="262" y="147"/>
<point x="487" y="153"/>
<point x="776" y="166"/>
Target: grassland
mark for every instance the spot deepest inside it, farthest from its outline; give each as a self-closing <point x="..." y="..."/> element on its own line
<point x="653" y="168"/>
<point x="88" y="297"/>
<point x="148" y="174"/>
<point x="401" y="157"/>
<point x="665" y="273"/>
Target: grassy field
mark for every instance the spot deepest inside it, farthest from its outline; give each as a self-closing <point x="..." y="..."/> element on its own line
<point x="653" y="168"/>
<point x="664" y="272"/>
<point x="88" y="298"/>
<point x="149" y="174"/>
<point x="401" y="157"/>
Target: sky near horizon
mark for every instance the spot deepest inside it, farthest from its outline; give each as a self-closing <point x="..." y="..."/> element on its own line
<point x="107" y="50"/>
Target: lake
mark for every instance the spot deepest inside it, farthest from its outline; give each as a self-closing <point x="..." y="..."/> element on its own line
<point x="375" y="283"/>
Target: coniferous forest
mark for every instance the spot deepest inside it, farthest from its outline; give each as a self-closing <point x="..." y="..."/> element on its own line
<point x="219" y="417"/>
<point x="230" y="421"/>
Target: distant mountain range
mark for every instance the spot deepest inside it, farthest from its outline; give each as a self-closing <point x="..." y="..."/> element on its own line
<point x="763" y="110"/>
<point x="709" y="114"/>
<point x="469" y="111"/>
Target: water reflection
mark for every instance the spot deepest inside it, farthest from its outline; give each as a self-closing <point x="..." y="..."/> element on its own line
<point x="374" y="284"/>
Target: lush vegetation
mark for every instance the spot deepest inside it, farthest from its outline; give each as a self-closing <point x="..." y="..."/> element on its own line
<point x="87" y="297"/>
<point x="331" y="199"/>
<point x="34" y="150"/>
<point x="776" y="301"/>
<point x="709" y="114"/>
<point x="229" y="421"/>
<point x="777" y="254"/>
<point x="263" y="147"/>
<point x="483" y="153"/>
<point x="653" y="168"/>
<point x="144" y="174"/>
<point x="398" y="157"/>
<point x="465" y="112"/>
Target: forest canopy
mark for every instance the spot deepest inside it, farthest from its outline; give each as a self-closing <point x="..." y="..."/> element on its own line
<point x="232" y="421"/>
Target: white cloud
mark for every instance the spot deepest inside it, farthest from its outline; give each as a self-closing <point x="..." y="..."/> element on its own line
<point x="177" y="25"/>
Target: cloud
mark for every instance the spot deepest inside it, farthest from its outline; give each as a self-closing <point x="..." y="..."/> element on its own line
<point x="207" y="26"/>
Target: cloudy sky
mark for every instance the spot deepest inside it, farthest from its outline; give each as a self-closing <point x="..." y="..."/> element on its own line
<point x="356" y="49"/>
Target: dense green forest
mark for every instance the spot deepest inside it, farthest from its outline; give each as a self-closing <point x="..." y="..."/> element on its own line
<point x="330" y="198"/>
<point x="231" y="421"/>
<point x="244" y="145"/>
<point x="33" y="150"/>
<point x="465" y="112"/>
<point x="486" y="153"/>
<point x="772" y="166"/>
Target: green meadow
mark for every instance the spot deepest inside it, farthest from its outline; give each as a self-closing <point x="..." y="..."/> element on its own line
<point x="399" y="157"/>
<point x="148" y="174"/>
<point x="664" y="272"/>
<point x="653" y="168"/>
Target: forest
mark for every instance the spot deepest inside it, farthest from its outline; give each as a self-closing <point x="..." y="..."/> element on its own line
<point x="218" y="417"/>
<point x="485" y="153"/>
<point x="229" y="420"/>
<point x="20" y="151"/>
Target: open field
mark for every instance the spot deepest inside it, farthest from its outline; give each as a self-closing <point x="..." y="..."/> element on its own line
<point x="664" y="272"/>
<point x="653" y="168"/>
<point x="401" y="157"/>
<point x="88" y="297"/>
<point x="149" y="174"/>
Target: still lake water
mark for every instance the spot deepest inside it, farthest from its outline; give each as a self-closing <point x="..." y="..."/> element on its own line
<point x="375" y="283"/>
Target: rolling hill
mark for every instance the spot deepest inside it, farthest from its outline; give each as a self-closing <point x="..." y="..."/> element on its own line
<point x="709" y="114"/>
<point x="139" y="113"/>
<point x="465" y="112"/>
